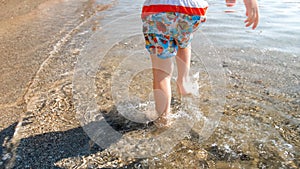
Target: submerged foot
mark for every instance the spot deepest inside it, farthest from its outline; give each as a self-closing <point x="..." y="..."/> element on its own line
<point x="163" y="121"/>
<point x="187" y="89"/>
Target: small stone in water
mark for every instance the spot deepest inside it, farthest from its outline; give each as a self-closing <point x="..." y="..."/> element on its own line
<point x="201" y="155"/>
<point x="245" y="157"/>
<point x="76" y="51"/>
<point x="6" y="157"/>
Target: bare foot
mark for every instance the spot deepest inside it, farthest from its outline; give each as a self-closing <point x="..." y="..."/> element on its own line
<point x="183" y="89"/>
<point x="162" y="121"/>
<point x="187" y="88"/>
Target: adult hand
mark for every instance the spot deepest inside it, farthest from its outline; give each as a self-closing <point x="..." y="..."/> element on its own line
<point x="252" y="13"/>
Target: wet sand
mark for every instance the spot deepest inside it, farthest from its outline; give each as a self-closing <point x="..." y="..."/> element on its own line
<point x="14" y="43"/>
<point x="40" y="127"/>
<point x="32" y="35"/>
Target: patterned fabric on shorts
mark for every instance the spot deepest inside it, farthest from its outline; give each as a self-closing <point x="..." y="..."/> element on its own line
<point x="165" y="31"/>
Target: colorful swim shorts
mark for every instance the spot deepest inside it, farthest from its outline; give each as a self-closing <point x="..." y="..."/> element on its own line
<point x="165" y="31"/>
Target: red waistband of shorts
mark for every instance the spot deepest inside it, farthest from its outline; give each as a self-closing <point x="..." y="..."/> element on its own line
<point x="148" y="10"/>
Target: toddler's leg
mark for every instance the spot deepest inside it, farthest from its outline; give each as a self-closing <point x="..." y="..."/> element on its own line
<point x="162" y="72"/>
<point x="183" y="59"/>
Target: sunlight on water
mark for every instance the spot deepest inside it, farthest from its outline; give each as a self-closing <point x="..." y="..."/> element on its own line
<point x="261" y="107"/>
<point x="258" y="70"/>
<point x="252" y="131"/>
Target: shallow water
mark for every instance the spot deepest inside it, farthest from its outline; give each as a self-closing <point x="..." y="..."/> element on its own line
<point x="246" y="114"/>
<point x="259" y="126"/>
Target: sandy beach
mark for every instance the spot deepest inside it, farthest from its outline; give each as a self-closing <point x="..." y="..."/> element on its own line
<point x="43" y="126"/>
<point x="32" y="34"/>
